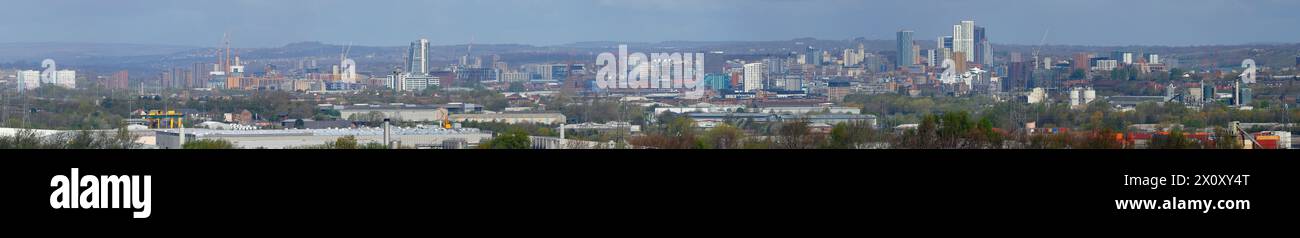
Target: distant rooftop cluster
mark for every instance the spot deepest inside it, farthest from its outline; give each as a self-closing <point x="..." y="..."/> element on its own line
<point x="325" y="132"/>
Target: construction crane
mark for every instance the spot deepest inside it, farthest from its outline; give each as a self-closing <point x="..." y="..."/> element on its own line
<point x="446" y="117"/>
<point x="223" y="57"/>
<point x="446" y="121"/>
<point x="469" y="50"/>
<point x="1246" y="138"/>
<point x="346" y="66"/>
<point x="157" y="119"/>
<point x="1038" y="49"/>
<point x="1038" y="62"/>
<point x="343" y="54"/>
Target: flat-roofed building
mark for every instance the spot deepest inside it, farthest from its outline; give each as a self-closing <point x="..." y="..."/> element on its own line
<point x="832" y="119"/>
<point x="710" y="120"/>
<point x="512" y="118"/>
<point x="807" y="110"/>
<point x="409" y="112"/>
<point x="287" y="139"/>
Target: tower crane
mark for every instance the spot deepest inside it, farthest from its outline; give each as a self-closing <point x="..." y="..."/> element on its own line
<point x="1038" y="49"/>
<point x="224" y="60"/>
<point x="1038" y="62"/>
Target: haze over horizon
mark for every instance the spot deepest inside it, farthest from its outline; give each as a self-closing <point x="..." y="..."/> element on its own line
<point x="260" y="23"/>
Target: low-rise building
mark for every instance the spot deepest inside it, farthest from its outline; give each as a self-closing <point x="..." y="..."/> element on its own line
<point x="811" y="109"/>
<point x="611" y="126"/>
<point x="512" y="118"/>
<point x="832" y="119"/>
<point x="700" y="108"/>
<point x="710" y="120"/>
<point x="553" y="143"/>
<point x="409" y="112"/>
<point x="285" y="139"/>
<point x="1133" y="101"/>
<point x="314" y="124"/>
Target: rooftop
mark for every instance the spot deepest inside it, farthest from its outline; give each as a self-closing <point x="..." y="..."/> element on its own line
<point x="326" y="132"/>
<point x="508" y="115"/>
<point x="404" y="106"/>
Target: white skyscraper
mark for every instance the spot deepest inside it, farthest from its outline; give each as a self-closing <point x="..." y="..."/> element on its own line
<point x="417" y="57"/>
<point x="66" y="78"/>
<point x="408" y="82"/>
<point x="964" y="39"/>
<point x="396" y="82"/>
<point x="1106" y="65"/>
<point x="939" y="43"/>
<point x="851" y="57"/>
<point x="862" y="51"/>
<point x="946" y="54"/>
<point x="348" y="71"/>
<point x="930" y="57"/>
<point x="753" y="77"/>
<point x="957" y="39"/>
<point x="28" y="80"/>
<point x="32" y="79"/>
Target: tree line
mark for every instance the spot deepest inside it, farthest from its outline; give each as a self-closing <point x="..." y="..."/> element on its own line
<point x="30" y="139"/>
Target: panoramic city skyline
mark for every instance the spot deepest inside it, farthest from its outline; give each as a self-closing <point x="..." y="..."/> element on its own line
<point x="393" y="22"/>
<point x="934" y="74"/>
<point x="250" y="109"/>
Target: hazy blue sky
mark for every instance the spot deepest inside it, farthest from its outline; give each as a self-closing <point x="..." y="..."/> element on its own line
<point x="257" y="23"/>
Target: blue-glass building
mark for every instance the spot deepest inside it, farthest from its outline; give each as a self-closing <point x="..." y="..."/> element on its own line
<point x="905" y="57"/>
<point x="718" y="82"/>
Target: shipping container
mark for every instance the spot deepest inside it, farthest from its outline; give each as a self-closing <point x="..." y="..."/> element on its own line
<point x="1268" y="141"/>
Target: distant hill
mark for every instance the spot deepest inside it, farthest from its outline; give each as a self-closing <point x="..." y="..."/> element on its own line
<point x="31" y="51"/>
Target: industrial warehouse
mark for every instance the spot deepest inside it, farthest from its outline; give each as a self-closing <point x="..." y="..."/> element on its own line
<point x="424" y="138"/>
